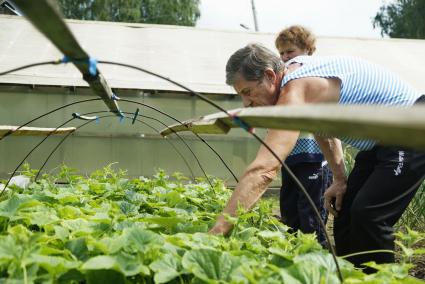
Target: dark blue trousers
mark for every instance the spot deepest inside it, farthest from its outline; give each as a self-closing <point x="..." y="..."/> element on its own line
<point x="295" y="210"/>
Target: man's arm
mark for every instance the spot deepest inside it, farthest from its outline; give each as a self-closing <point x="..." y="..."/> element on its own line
<point x="265" y="167"/>
<point x="334" y="155"/>
<point x="259" y="174"/>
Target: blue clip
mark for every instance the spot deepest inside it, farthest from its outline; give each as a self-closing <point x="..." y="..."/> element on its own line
<point x="115" y="97"/>
<point x="135" y="116"/>
<point x="92" y="66"/>
<point x="97" y="120"/>
<point x="121" y="116"/>
<point x="242" y="124"/>
<point x="65" y="59"/>
<point x="92" y="62"/>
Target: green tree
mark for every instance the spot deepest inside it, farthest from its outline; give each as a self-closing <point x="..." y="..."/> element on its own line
<point x="171" y="12"/>
<point x="116" y="10"/>
<point x="402" y="19"/>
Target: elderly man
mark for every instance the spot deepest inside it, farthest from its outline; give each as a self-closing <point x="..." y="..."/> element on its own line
<point x="384" y="179"/>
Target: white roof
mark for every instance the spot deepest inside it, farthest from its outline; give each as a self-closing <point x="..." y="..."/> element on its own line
<point x="194" y="57"/>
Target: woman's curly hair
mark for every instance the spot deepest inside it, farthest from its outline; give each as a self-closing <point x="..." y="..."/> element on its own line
<point x="299" y="36"/>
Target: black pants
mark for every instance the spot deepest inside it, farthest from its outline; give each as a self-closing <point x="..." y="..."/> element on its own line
<point x="295" y="209"/>
<point x="380" y="187"/>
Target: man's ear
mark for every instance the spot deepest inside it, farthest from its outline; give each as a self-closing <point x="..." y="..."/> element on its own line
<point x="270" y="74"/>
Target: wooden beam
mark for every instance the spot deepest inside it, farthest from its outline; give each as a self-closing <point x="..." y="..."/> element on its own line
<point x="390" y="126"/>
<point x="34" y="131"/>
<point x="46" y="17"/>
<point x="206" y="126"/>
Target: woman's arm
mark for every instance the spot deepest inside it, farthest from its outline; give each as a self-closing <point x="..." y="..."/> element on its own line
<point x="334" y="155"/>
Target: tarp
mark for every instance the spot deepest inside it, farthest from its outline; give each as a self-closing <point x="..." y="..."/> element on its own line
<point x="192" y="56"/>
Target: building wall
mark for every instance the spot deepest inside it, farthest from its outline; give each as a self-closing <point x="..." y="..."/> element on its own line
<point x="137" y="148"/>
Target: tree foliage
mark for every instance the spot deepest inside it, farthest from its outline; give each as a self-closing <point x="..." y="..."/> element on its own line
<point x="402" y="19"/>
<point x="170" y="12"/>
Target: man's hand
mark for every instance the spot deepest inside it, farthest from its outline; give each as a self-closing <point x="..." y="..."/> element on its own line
<point x="221" y="227"/>
<point x="335" y="193"/>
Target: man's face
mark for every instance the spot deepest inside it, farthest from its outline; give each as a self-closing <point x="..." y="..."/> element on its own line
<point x="256" y="93"/>
<point x="288" y="51"/>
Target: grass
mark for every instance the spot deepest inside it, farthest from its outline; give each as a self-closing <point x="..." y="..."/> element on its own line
<point x="414" y="216"/>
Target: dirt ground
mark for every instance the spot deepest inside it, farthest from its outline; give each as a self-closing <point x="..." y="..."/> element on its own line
<point x="419" y="270"/>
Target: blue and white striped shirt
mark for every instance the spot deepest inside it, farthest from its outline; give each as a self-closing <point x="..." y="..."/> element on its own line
<point x="362" y="82"/>
<point x="305" y="150"/>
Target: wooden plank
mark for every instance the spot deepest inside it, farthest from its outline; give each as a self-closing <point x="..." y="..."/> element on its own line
<point x="46" y="17"/>
<point x="391" y="126"/>
<point x="34" y="131"/>
<point x="214" y="126"/>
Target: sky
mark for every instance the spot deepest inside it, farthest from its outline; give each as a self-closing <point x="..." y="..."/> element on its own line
<point x="341" y="18"/>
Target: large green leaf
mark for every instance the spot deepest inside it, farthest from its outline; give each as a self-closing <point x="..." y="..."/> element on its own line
<point x="125" y="264"/>
<point x="71" y="276"/>
<point x="42" y="217"/>
<point x="67" y="197"/>
<point x="78" y="248"/>
<point x="167" y="268"/>
<point x="8" y="249"/>
<point x="131" y="265"/>
<point x="61" y="233"/>
<point x="321" y="259"/>
<point x="69" y="212"/>
<point x="141" y="238"/>
<point x="103" y="276"/>
<point x="173" y="198"/>
<point x="115" y="243"/>
<point x="79" y="225"/>
<point x="53" y="264"/>
<point x="307" y="273"/>
<point x="166" y="222"/>
<point x="101" y="262"/>
<point x="129" y="208"/>
<point x="8" y="208"/>
<point x="208" y="264"/>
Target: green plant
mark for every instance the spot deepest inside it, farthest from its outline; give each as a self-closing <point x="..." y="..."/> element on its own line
<point x="107" y="228"/>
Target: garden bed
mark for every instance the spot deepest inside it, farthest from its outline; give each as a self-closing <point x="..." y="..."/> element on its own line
<point x="107" y="228"/>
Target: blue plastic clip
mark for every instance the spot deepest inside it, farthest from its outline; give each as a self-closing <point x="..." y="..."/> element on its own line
<point x="65" y="59"/>
<point x="242" y="124"/>
<point x="115" y="97"/>
<point x="92" y="62"/>
<point x="121" y="116"/>
<point x="92" y="66"/>
<point x="135" y="116"/>
<point x="97" y="120"/>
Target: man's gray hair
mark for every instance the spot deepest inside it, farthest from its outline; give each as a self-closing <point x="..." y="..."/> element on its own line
<point x="250" y="62"/>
